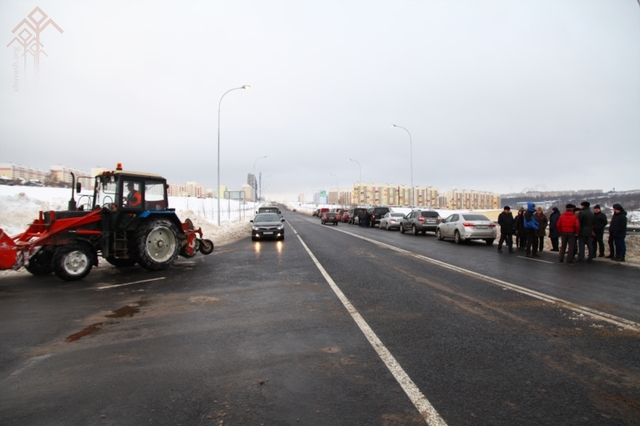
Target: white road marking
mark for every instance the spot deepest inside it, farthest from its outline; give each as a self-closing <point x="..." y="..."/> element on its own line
<point x="131" y="283"/>
<point x="533" y="259"/>
<point x="413" y="392"/>
<point x="593" y="313"/>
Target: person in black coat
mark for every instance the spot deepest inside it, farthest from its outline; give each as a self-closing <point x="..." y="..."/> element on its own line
<point x="518" y="227"/>
<point x="506" y="222"/>
<point x="587" y="219"/>
<point x="599" y="224"/>
<point x="618" y="232"/>
<point x="554" y="235"/>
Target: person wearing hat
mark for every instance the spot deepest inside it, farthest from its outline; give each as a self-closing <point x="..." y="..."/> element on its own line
<point x="542" y="220"/>
<point x="530" y="230"/>
<point x="518" y="229"/>
<point x="618" y="232"/>
<point x="554" y="235"/>
<point x="568" y="227"/>
<point x="506" y="222"/>
<point x="600" y="222"/>
<point x="586" y="232"/>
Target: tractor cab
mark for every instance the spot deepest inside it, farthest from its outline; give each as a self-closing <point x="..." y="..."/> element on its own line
<point x="130" y="191"/>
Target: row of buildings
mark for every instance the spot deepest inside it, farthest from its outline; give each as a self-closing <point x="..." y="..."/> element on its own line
<point x="359" y="194"/>
<point x="62" y="175"/>
<point x="401" y="195"/>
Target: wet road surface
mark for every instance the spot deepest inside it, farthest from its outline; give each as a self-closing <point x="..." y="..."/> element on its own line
<point x="335" y="325"/>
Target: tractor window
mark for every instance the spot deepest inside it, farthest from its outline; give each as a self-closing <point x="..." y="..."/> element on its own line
<point x="105" y="194"/>
<point x="133" y="197"/>
<point x="155" y="196"/>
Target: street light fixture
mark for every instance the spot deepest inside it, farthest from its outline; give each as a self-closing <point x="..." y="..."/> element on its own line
<point x="360" y="187"/>
<point x="254" y="174"/>
<point x="245" y="87"/>
<point x="411" y="151"/>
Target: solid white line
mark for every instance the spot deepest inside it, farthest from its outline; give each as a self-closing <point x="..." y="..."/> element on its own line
<point x="131" y="283"/>
<point x="413" y="392"/>
<point x="593" y="313"/>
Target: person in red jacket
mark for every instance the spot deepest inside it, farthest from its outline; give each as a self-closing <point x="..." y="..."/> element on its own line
<point x="568" y="227"/>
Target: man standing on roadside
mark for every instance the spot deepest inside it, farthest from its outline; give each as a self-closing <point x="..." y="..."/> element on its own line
<point x="553" y="230"/>
<point x="618" y="231"/>
<point x="569" y="227"/>
<point x="530" y="229"/>
<point x="586" y="219"/>
<point x="600" y="222"/>
<point x="506" y="222"/>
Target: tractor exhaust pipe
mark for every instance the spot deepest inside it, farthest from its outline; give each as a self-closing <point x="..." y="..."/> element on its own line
<point x="72" y="202"/>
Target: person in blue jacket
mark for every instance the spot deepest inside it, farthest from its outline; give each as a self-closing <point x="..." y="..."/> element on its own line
<point x="530" y="229"/>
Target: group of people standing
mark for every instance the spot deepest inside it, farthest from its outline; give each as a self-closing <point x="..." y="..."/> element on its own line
<point x="578" y="231"/>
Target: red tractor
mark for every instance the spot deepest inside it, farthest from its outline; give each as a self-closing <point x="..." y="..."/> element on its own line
<point x="127" y="221"/>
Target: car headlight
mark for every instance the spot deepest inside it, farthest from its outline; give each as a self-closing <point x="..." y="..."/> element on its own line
<point x="255" y="228"/>
<point x="280" y="227"/>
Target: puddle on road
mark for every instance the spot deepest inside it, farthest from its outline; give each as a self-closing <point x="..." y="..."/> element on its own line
<point x="93" y="328"/>
<point x="126" y="311"/>
<point x="129" y="310"/>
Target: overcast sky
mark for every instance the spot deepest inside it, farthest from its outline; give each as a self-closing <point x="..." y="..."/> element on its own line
<point x="497" y="96"/>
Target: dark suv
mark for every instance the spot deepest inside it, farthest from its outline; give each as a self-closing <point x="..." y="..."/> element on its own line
<point x="376" y="214"/>
<point x="420" y="221"/>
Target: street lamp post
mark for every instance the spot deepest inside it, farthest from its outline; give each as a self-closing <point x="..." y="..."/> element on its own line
<point x="254" y="175"/>
<point x="360" y="187"/>
<point x="411" y="201"/>
<point x="220" y="103"/>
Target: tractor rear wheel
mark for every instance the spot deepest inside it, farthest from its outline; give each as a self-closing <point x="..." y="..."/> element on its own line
<point x="41" y="263"/>
<point x="157" y="244"/>
<point x="73" y="262"/>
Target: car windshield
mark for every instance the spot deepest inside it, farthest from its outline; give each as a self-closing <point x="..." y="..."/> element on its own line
<point x="429" y="214"/>
<point x="330" y="214"/>
<point x="267" y="217"/>
<point x="475" y="217"/>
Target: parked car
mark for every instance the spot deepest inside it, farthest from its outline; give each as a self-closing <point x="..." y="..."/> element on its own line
<point x="329" y="217"/>
<point x="354" y="215"/>
<point x="346" y="218"/>
<point x="466" y="227"/>
<point x="391" y="220"/>
<point x="267" y="225"/>
<point x="340" y="213"/>
<point x="420" y="221"/>
<point x="376" y="214"/>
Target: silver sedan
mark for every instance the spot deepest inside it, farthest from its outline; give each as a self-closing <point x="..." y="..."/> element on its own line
<point x="466" y="227"/>
<point x="391" y="220"/>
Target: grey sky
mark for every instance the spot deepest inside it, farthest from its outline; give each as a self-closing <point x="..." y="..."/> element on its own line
<point x="498" y="95"/>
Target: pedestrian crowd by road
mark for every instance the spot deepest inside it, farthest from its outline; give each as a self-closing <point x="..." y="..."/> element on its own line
<point x="576" y="233"/>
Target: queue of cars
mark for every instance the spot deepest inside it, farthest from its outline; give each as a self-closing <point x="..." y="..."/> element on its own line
<point x="461" y="227"/>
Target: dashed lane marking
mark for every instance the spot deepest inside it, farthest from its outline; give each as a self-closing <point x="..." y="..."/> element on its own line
<point x="413" y="392"/>
<point x="131" y="283"/>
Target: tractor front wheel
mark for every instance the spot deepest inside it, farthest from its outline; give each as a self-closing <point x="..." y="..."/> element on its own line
<point x="41" y="263"/>
<point x="73" y="262"/>
<point x="157" y="243"/>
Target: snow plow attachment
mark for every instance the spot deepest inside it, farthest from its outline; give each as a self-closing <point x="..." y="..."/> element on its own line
<point x="8" y="252"/>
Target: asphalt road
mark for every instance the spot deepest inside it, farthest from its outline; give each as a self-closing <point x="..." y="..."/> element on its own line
<point x="333" y="326"/>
